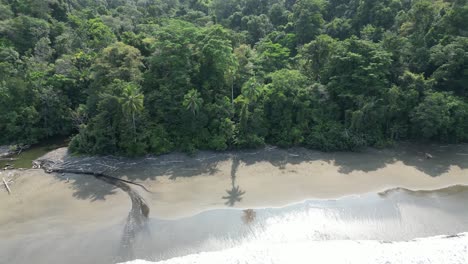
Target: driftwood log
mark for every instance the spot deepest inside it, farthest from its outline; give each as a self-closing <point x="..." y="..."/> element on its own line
<point x="6" y="186"/>
<point x="95" y="174"/>
<point x="8" y="159"/>
<point x="138" y="203"/>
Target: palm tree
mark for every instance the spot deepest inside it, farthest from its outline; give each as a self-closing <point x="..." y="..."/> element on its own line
<point x="251" y="90"/>
<point x="244" y="114"/>
<point x="132" y="103"/>
<point x="193" y="101"/>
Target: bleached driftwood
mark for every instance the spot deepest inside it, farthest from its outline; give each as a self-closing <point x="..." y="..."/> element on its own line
<point x="8" y="159"/>
<point x="6" y="185"/>
<point x="8" y="167"/>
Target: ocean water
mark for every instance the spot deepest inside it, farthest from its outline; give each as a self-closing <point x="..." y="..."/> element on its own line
<point x="395" y="227"/>
<point x="441" y="249"/>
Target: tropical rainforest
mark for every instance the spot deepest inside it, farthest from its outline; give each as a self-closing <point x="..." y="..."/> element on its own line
<point x="131" y="77"/>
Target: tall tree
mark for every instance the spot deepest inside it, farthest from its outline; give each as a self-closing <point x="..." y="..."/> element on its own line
<point x="308" y="20"/>
<point x="132" y="104"/>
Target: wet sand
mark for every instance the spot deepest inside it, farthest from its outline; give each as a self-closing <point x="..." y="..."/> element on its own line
<point x="85" y="215"/>
<point x="182" y="186"/>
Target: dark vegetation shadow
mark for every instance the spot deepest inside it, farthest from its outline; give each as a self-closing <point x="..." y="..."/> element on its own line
<point x="206" y="163"/>
<point x="443" y="157"/>
<point x="87" y="187"/>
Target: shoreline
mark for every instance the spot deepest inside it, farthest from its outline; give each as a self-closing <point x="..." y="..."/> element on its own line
<point x="181" y="186"/>
<point x="339" y="191"/>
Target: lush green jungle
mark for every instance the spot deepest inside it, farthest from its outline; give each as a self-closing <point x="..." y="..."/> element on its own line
<point x="130" y="77"/>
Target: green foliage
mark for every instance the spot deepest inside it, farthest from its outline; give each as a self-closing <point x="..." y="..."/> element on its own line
<point x="287" y="107"/>
<point x="272" y="56"/>
<point x="315" y="56"/>
<point x="308" y="19"/>
<point x="154" y="76"/>
<point x="451" y="64"/>
<point x="332" y="136"/>
<point x="437" y="115"/>
<point x="24" y="32"/>
<point x="118" y="61"/>
<point x="193" y="101"/>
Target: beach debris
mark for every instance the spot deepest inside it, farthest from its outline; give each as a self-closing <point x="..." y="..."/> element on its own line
<point x="8" y="167"/>
<point x="248" y="216"/>
<point x="36" y="165"/>
<point x="270" y="148"/>
<point x="428" y="156"/>
<point x="5" y="182"/>
<point x="21" y="148"/>
<point x="60" y="167"/>
<point x="8" y="159"/>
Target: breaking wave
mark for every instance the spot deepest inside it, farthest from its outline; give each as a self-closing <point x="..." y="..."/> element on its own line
<point x="440" y="249"/>
<point x="372" y="228"/>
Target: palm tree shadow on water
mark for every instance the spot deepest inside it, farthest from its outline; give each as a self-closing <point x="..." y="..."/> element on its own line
<point x="235" y="194"/>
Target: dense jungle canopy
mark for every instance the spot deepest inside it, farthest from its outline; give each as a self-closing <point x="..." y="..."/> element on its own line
<point x="130" y="77"/>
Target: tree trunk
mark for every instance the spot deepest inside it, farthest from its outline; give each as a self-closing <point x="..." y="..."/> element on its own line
<point x="134" y="127"/>
<point x="232" y="93"/>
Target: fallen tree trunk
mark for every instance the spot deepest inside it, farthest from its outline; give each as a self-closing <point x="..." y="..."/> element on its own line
<point x="95" y="174"/>
<point x="8" y="159"/>
<point x="138" y="203"/>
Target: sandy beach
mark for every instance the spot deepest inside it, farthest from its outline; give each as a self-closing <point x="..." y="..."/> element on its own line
<point x="297" y="175"/>
<point x="82" y="208"/>
<point x="182" y="186"/>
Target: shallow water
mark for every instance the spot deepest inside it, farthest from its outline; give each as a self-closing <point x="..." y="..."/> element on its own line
<point x="396" y="215"/>
<point x="25" y="158"/>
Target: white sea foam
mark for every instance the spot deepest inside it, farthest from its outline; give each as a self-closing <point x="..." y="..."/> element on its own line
<point x="441" y="249"/>
<point x="318" y="235"/>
